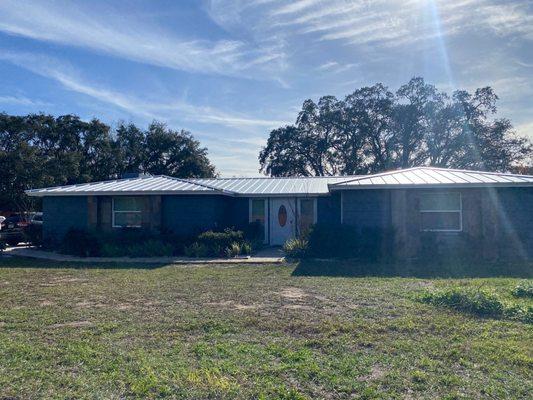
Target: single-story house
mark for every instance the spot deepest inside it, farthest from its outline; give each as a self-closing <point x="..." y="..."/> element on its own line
<point x="493" y="209"/>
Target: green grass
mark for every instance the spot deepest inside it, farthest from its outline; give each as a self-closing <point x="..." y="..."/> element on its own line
<point x="250" y="332"/>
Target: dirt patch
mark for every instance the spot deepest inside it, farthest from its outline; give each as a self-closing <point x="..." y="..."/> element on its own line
<point x="74" y="324"/>
<point x="46" y="303"/>
<point x="123" y="306"/>
<point x="375" y="373"/>
<point x="233" y="305"/>
<point x="89" y="304"/>
<point x="293" y="293"/>
<point x="68" y="280"/>
<point x="297" y="307"/>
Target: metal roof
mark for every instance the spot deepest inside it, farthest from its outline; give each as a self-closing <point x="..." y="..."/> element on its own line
<point x="261" y="186"/>
<point x="433" y="177"/>
<point x="274" y="186"/>
<point x="301" y="186"/>
<point x="139" y="185"/>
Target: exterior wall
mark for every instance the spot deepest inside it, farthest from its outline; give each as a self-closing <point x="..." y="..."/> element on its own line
<point x="496" y="223"/>
<point x="151" y="213"/>
<point x="62" y="213"/>
<point x="366" y="208"/>
<point x="186" y="215"/>
<point x="328" y="209"/>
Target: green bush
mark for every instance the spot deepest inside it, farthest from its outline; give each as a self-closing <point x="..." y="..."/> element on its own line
<point x="296" y="248"/>
<point x="524" y="289"/>
<point x="122" y="243"/>
<point x="344" y="241"/>
<point x="333" y="240"/>
<point x="246" y="248"/>
<point x="477" y="302"/>
<point x="82" y="243"/>
<point x="233" y="250"/>
<point x="197" y="250"/>
<point x="149" y="248"/>
<point x="222" y="239"/>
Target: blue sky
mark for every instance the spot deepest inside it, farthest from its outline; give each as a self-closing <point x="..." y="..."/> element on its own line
<point x="230" y="71"/>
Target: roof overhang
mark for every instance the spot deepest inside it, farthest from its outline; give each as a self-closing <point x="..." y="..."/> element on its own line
<point x="337" y="187"/>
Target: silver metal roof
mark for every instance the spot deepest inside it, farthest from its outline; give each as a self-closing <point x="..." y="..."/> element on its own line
<point x="305" y="186"/>
<point x="261" y="186"/>
<point x="431" y="176"/>
<point x="273" y="186"/>
<point x="140" y="185"/>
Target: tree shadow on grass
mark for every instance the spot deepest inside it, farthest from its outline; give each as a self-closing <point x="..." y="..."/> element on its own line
<point x="26" y="262"/>
<point x="414" y="269"/>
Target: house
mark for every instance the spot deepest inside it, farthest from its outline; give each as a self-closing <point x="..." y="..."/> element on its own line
<point x="455" y="207"/>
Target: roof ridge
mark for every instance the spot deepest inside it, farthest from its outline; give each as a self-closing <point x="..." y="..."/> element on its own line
<point x="281" y="177"/>
<point x="188" y="180"/>
<point x="428" y="167"/>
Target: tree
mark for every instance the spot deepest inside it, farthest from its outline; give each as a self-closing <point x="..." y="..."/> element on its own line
<point x="175" y="153"/>
<point x="39" y="150"/>
<point x="374" y="130"/>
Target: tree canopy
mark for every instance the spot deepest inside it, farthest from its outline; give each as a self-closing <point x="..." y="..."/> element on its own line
<point x="373" y="130"/>
<point x="39" y="150"/>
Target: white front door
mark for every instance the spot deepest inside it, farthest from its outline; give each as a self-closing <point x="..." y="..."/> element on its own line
<point x="282" y="220"/>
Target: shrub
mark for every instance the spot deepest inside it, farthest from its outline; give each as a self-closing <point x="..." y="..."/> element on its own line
<point x="254" y="231"/>
<point x="221" y="239"/>
<point x="246" y="248"/>
<point x="333" y="240"/>
<point x="149" y="248"/>
<point x="196" y="250"/>
<point x="233" y="250"/>
<point x="82" y="243"/>
<point x="478" y="302"/>
<point x="344" y="241"/>
<point x="524" y="289"/>
<point x="34" y="234"/>
<point x="296" y="248"/>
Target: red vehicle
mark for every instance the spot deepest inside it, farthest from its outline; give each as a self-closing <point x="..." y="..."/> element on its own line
<point x="12" y="229"/>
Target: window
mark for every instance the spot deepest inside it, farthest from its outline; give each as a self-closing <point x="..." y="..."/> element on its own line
<point x="258" y="213"/>
<point x="127" y="212"/>
<point x="441" y="212"/>
<point x="307" y="215"/>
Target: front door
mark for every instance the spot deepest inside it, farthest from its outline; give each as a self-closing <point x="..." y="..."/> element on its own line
<point x="282" y="220"/>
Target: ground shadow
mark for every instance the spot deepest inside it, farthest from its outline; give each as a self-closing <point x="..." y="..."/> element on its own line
<point x="7" y="261"/>
<point x="415" y="269"/>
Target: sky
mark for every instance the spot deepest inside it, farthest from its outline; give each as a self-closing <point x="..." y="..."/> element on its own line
<point x="230" y="71"/>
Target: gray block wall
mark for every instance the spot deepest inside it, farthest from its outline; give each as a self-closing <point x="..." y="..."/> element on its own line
<point x="60" y="213"/>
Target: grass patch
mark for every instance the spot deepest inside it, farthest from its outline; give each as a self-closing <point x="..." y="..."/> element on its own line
<point x="524" y="289"/>
<point x="479" y="302"/>
<point x="239" y="332"/>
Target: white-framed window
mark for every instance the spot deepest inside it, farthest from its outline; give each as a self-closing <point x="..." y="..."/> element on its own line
<point x="441" y="212"/>
<point x="127" y="212"/>
<point x="258" y="214"/>
<point x="306" y="214"/>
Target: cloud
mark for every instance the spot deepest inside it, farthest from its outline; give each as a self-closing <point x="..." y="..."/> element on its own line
<point x="22" y="101"/>
<point x="70" y="79"/>
<point x="381" y="22"/>
<point x="126" y="37"/>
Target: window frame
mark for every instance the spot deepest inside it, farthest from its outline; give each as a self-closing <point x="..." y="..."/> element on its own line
<point x="113" y="211"/>
<point x="299" y="216"/>
<point x="266" y="214"/>
<point x="458" y="211"/>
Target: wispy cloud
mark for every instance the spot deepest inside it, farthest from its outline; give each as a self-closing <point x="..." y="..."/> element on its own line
<point x="22" y="101"/>
<point x="121" y="36"/>
<point x="384" y="22"/>
<point x="70" y="79"/>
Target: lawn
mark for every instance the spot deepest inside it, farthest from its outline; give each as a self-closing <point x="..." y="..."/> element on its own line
<point x="67" y="331"/>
